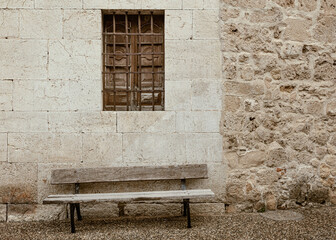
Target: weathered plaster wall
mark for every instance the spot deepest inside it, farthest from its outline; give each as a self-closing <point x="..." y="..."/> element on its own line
<point x="278" y="122"/>
<point x="51" y="103"/>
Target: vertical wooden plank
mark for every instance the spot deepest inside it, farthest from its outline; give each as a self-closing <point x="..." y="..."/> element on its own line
<point x="153" y="50"/>
<point x="114" y="64"/>
<point x="127" y="62"/>
<point x="134" y="75"/>
<point x="163" y="63"/>
<point x="139" y="60"/>
<point x="105" y="99"/>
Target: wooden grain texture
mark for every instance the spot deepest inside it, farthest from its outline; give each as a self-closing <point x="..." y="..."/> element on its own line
<point x="133" y="75"/>
<point x="127" y="197"/>
<point x="120" y="174"/>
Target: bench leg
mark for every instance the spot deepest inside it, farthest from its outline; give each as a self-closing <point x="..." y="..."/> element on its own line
<point x="188" y="212"/>
<point x="184" y="208"/>
<point x="79" y="216"/>
<point x="72" y="217"/>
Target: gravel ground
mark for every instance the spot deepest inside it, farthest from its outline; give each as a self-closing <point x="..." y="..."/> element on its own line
<point x="317" y="223"/>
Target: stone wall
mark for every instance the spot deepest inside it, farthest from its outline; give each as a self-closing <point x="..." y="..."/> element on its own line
<point x="250" y="91"/>
<point x="51" y="104"/>
<point x="279" y="103"/>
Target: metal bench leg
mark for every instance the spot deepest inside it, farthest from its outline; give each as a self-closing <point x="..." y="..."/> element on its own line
<point x="188" y="213"/>
<point x="72" y="217"/>
<point x="184" y="208"/>
<point x="79" y="216"/>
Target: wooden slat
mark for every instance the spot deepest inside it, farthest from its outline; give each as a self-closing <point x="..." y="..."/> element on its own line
<point x="130" y="196"/>
<point x="120" y="174"/>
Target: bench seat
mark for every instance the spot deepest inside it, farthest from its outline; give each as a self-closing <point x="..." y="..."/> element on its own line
<point x="79" y="176"/>
<point x="128" y="196"/>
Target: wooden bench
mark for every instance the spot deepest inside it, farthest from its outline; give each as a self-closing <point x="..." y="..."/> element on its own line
<point x="125" y="174"/>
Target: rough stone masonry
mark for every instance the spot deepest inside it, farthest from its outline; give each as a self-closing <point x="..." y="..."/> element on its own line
<point x="279" y="108"/>
<point x="249" y="90"/>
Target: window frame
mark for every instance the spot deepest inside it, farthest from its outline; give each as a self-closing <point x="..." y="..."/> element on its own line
<point x="134" y="67"/>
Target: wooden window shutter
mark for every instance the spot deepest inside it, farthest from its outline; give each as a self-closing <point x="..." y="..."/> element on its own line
<point x="133" y="58"/>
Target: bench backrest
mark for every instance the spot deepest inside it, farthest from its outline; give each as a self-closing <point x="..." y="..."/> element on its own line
<point x="123" y="174"/>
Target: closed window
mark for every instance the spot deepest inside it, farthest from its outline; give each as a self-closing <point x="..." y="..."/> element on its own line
<point x="133" y="61"/>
